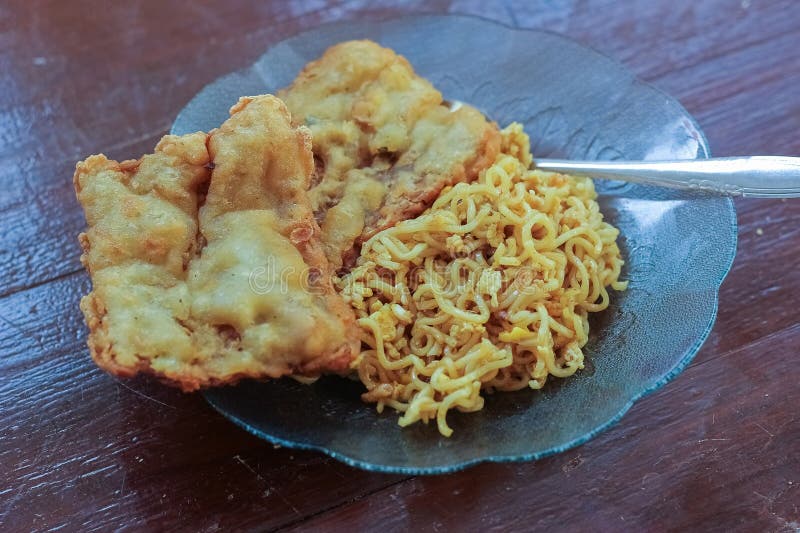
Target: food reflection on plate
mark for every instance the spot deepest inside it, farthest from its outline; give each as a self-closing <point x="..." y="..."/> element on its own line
<point x="354" y="224"/>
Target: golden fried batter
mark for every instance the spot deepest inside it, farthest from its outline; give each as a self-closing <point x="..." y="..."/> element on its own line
<point x="206" y="288"/>
<point x="384" y="142"/>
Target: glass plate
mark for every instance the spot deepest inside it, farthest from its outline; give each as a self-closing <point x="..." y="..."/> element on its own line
<point x="574" y="103"/>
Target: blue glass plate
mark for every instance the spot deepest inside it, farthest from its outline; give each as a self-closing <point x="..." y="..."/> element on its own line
<point x="575" y="103"/>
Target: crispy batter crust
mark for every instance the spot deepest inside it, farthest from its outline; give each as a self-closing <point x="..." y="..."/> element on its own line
<point x="172" y="265"/>
<point x="385" y="142"/>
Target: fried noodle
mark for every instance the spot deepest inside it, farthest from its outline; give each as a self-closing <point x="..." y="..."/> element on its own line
<point x="489" y="289"/>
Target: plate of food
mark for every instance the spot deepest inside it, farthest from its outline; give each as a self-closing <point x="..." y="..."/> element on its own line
<point x="348" y="248"/>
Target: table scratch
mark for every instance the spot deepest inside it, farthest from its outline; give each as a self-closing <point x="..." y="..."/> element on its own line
<point x="143" y="395"/>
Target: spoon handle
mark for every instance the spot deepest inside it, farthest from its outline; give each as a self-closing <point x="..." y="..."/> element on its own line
<point x="756" y="176"/>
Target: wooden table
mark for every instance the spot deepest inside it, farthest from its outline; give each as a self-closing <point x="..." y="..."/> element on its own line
<point x="718" y="448"/>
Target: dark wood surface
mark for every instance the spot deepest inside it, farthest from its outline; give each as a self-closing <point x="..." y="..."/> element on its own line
<point x="716" y="449"/>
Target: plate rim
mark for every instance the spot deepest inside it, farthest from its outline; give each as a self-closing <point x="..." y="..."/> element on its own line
<point x="681" y="365"/>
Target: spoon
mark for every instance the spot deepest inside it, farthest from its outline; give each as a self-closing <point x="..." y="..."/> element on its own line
<point x="752" y="177"/>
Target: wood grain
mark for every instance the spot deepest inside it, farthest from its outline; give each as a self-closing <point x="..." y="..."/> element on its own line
<point x="717" y="449"/>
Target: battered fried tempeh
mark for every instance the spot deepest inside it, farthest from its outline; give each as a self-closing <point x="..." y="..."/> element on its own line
<point x="384" y="142"/>
<point x="206" y="295"/>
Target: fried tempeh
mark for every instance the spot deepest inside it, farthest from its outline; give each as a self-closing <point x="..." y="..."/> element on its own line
<point x="384" y="141"/>
<point x="202" y="276"/>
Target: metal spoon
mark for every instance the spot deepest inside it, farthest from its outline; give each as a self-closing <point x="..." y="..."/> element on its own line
<point x="755" y="176"/>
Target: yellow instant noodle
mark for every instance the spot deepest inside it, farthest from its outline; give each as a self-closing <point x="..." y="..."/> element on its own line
<point x="489" y="289"/>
